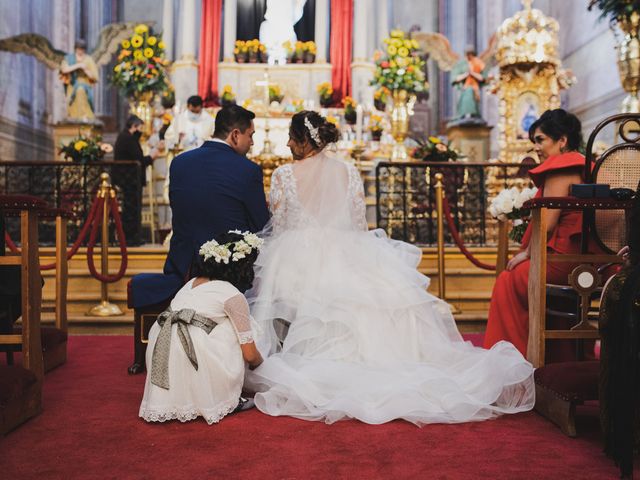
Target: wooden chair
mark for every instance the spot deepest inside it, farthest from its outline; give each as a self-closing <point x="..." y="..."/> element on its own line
<point x="21" y="385"/>
<point x="562" y="386"/>
<point x="54" y="339"/>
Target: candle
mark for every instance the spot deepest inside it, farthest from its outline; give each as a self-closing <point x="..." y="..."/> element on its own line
<point x="359" y="120"/>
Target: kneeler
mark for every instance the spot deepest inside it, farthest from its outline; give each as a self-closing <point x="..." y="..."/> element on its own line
<point x="143" y="319"/>
<point x="21" y="385"/>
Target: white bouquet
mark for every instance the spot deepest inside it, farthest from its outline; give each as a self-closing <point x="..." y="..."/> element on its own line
<point x="508" y="205"/>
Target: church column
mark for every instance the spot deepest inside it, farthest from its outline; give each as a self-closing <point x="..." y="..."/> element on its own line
<point x="167" y="28"/>
<point x="382" y="23"/>
<point x="322" y="30"/>
<point x="230" y="18"/>
<point x="185" y="69"/>
<point x="361" y="66"/>
<point x="63" y="37"/>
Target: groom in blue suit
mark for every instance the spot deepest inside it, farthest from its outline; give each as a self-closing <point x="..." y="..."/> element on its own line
<point x="213" y="189"/>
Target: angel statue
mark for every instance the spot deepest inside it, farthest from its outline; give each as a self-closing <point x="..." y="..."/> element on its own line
<point x="468" y="74"/>
<point x="78" y="70"/>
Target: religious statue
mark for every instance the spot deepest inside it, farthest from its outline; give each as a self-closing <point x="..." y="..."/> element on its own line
<point x="277" y="27"/>
<point x="78" y="70"/>
<point x="468" y="74"/>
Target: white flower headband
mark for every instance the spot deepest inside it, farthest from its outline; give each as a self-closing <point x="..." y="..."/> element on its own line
<point x="223" y="253"/>
<point x="313" y="131"/>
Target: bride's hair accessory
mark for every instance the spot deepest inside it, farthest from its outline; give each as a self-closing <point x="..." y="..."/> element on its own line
<point x="231" y="251"/>
<point x="313" y="131"/>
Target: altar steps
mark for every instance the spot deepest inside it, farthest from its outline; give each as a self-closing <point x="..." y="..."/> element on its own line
<point x="468" y="288"/>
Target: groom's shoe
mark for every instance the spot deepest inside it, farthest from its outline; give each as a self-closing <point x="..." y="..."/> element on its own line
<point x="244" y="404"/>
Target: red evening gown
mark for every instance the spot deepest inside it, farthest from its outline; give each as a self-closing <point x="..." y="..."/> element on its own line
<point x="509" y="308"/>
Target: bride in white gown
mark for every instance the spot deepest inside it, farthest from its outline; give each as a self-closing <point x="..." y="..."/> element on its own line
<point x="365" y="340"/>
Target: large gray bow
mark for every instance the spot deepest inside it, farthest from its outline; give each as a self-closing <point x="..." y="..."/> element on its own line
<point x="160" y="360"/>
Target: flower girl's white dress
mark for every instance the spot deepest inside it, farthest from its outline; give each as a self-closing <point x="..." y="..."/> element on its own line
<point x="213" y="390"/>
<point x="365" y="340"/>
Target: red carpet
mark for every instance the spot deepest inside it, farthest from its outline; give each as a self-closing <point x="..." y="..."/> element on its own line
<point x="90" y="429"/>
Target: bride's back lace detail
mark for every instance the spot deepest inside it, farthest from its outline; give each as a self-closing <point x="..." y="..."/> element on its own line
<point x="325" y="192"/>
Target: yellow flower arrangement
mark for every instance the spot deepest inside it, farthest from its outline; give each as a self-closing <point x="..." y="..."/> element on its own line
<point x="84" y="149"/>
<point x="137" y="41"/>
<point x="349" y="103"/>
<point x="145" y="72"/>
<point x="227" y="97"/>
<point x="349" y="110"/>
<point x="334" y="120"/>
<point x="400" y="67"/>
<point x="249" y="50"/>
<point x="275" y="94"/>
<point x="325" y="90"/>
<point x="79" y="145"/>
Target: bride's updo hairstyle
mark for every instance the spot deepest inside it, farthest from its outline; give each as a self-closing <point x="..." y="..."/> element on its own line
<point x="314" y="128"/>
<point x="559" y="123"/>
<point x="230" y="258"/>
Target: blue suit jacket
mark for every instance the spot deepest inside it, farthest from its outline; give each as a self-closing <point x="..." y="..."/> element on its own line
<point x="212" y="190"/>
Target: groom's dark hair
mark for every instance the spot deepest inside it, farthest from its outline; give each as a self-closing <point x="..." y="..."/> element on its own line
<point x="231" y="117"/>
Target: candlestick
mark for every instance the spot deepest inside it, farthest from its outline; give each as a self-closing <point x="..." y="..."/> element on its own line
<point x="359" y="121"/>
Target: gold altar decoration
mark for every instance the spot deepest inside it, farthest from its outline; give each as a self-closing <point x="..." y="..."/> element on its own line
<point x="629" y="62"/>
<point x="142" y="108"/>
<point x="530" y="77"/>
<point x="399" y="125"/>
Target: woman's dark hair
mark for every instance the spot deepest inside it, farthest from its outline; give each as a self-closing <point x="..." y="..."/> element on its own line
<point x="559" y="123"/>
<point x="238" y="273"/>
<point x="231" y="117"/>
<point x="327" y="131"/>
<point x="132" y="121"/>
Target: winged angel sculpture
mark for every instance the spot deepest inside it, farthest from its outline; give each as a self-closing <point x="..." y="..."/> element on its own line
<point x="468" y="74"/>
<point x="79" y="69"/>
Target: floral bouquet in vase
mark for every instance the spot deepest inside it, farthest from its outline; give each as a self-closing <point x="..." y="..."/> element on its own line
<point x="508" y="205"/>
<point x="376" y="127"/>
<point x="85" y="149"/>
<point x="433" y="149"/>
<point x="275" y="94"/>
<point x="141" y="67"/>
<point x="400" y="66"/>
<point x="381" y="98"/>
<point x="227" y="98"/>
<point x="325" y="91"/>
<point x="350" y="115"/>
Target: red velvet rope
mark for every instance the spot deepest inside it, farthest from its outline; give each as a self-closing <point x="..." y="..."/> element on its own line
<point x="74" y="248"/>
<point x="123" y="244"/>
<point x="456" y="237"/>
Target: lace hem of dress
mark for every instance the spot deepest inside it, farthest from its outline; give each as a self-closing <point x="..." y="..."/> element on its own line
<point x="211" y="416"/>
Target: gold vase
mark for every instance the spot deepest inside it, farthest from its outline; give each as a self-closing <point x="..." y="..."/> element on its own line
<point x="399" y="125"/>
<point x="629" y="62"/>
<point x="141" y="107"/>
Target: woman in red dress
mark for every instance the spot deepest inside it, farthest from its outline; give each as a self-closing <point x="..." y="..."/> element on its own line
<point x="556" y="136"/>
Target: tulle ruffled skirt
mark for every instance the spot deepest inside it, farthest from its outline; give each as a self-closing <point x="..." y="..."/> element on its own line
<point x="352" y="333"/>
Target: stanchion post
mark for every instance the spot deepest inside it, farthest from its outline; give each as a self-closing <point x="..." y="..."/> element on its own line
<point x="105" y="308"/>
<point x="439" y="188"/>
<point x="440" y="237"/>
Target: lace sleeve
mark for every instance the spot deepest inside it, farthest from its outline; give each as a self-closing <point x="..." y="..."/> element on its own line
<point x="356" y="198"/>
<point x="237" y="309"/>
<point x="276" y="199"/>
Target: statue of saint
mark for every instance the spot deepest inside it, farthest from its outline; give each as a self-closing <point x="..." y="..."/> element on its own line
<point x="79" y="73"/>
<point x="78" y="70"/>
<point x="277" y="27"/>
<point x="468" y="76"/>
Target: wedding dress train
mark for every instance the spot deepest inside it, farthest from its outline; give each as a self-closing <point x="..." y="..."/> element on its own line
<point x="365" y="340"/>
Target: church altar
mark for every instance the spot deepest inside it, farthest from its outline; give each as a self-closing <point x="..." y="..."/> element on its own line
<point x="297" y="81"/>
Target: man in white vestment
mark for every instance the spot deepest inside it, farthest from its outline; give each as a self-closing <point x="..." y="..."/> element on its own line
<point x="192" y="127"/>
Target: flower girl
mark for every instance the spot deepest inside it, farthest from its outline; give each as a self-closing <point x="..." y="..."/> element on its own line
<point x="198" y="346"/>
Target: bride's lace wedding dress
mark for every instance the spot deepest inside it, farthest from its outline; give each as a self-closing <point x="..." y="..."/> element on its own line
<point x="365" y="340"/>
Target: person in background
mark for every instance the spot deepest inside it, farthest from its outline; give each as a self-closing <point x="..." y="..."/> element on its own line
<point x="556" y="137"/>
<point x="191" y="128"/>
<point x="128" y="148"/>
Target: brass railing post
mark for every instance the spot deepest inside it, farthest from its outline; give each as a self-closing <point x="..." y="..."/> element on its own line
<point x="440" y="234"/>
<point x="105" y="308"/>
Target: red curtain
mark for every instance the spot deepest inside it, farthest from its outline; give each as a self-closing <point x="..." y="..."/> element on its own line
<point x="210" y="33"/>
<point x="340" y="46"/>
